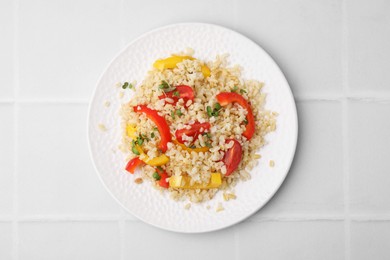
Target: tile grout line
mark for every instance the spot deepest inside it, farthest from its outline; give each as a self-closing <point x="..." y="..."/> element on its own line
<point x="345" y="87"/>
<point x="15" y="223"/>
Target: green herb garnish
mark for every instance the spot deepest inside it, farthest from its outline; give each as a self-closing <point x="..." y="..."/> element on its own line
<point x="160" y="168"/>
<point x="125" y="85"/>
<point x="217" y="106"/>
<point x="156" y="176"/>
<point x="234" y="89"/>
<point x="178" y="112"/>
<point x="246" y="121"/>
<point x="209" y="111"/>
<point x="152" y="135"/>
<point x="163" y="85"/>
<point x="208" y="144"/>
<point x="242" y="91"/>
<point x="133" y="148"/>
<point x="173" y="114"/>
<point x="176" y="93"/>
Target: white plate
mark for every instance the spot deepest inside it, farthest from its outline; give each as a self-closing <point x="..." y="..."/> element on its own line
<point x="144" y="201"/>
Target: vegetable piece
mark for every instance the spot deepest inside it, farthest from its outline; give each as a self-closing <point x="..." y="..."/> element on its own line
<point x="183" y="182"/>
<point x="134" y="148"/>
<point x="232" y="157"/>
<point x="209" y="111"/>
<point x="181" y="91"/>
<point x="125" y="85"/>
<point x="164" y="85"/>
<point x="133" y="164"/>
<point x="130" y="131"/>
<point x="170" y="62"/>
<point x="160" y="122"/>
<point x="184" y="147"/>
<point x="163" y="181"/>
<point x="156" y="176"/>
<point x="156" y="161"/>
<point x="225" y="98"/>
<point x="205" y="71"/>
<point x="196" y="129"/>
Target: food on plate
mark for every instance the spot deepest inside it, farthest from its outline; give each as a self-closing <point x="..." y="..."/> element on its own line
<point x="193" y="128"/>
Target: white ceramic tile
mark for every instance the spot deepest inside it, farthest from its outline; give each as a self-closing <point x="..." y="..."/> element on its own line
<point x="142" y="16"/>
<point x="303" y="36"/>
<point x="65" y="46"/>
<point x="370" y="240"/>
<point x="55" y="170"/>
<point x="146" y="242"/>
<point x="5" y="241"/>
<point x="7" y="139"/>
<point x="368" y="42"/>
<point x="291" y="240"/>
<point x="314" y="185"/>
<point x="369" y="147"/>
<point x="6" y="48"/>
<point x="69" y="240"/>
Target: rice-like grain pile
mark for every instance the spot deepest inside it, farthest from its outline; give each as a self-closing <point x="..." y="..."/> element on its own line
<point x="228" y="124"/>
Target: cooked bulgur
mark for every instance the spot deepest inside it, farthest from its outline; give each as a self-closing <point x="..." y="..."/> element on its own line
<point x="226" y="123"/>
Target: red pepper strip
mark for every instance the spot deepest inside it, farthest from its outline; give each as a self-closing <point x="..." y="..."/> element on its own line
<point x="182" y="91"/>
<point x="194" y="131"/>
<point x="163" y="181"/>
<point x="160" y="122"/>
<point x="232" y="157"/>
<point x="133" y="164"/>
<point x="225" y="98"/>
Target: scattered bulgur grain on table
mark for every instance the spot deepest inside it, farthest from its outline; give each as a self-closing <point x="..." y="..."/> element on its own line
<point x="271" y="163"/>
<point x="102" y="127"/>
<point x="219" y="207"/>
<point x="138" y="180"/>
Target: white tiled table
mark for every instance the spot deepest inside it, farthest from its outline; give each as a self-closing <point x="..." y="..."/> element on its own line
<point x="335" y="203"/>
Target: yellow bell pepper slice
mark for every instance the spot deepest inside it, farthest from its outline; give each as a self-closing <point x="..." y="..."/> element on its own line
<point x="130" y="131"/>
<point x="205" y="71"/>
<point x="170" y="62"/>
<point x="197" y="150"/>
<point x="183" y="182"/>
<point x="156" y="161"/>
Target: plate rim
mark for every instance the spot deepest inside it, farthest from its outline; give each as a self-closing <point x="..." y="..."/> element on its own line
<point x="295" y="121"/>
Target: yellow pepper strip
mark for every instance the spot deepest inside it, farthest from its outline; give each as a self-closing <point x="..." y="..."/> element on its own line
<point x="130" y="131"/>
<point x="206" y="71"/>
<point x="197" y="150"/>
<point x="156" y="161"/>
<point x="183" y="182"/>
<point x="170" y="62"/>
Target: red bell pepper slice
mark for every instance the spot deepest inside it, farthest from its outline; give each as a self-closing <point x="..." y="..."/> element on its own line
<point x="194" y="131"/>
<point x="163" y="181"/>
<point x="133" y="164"/>
<point x="160" y="122"/>
<point x="225" y="98"/>
<point x="182" y="91"/>
<point x="232" y="157"/>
